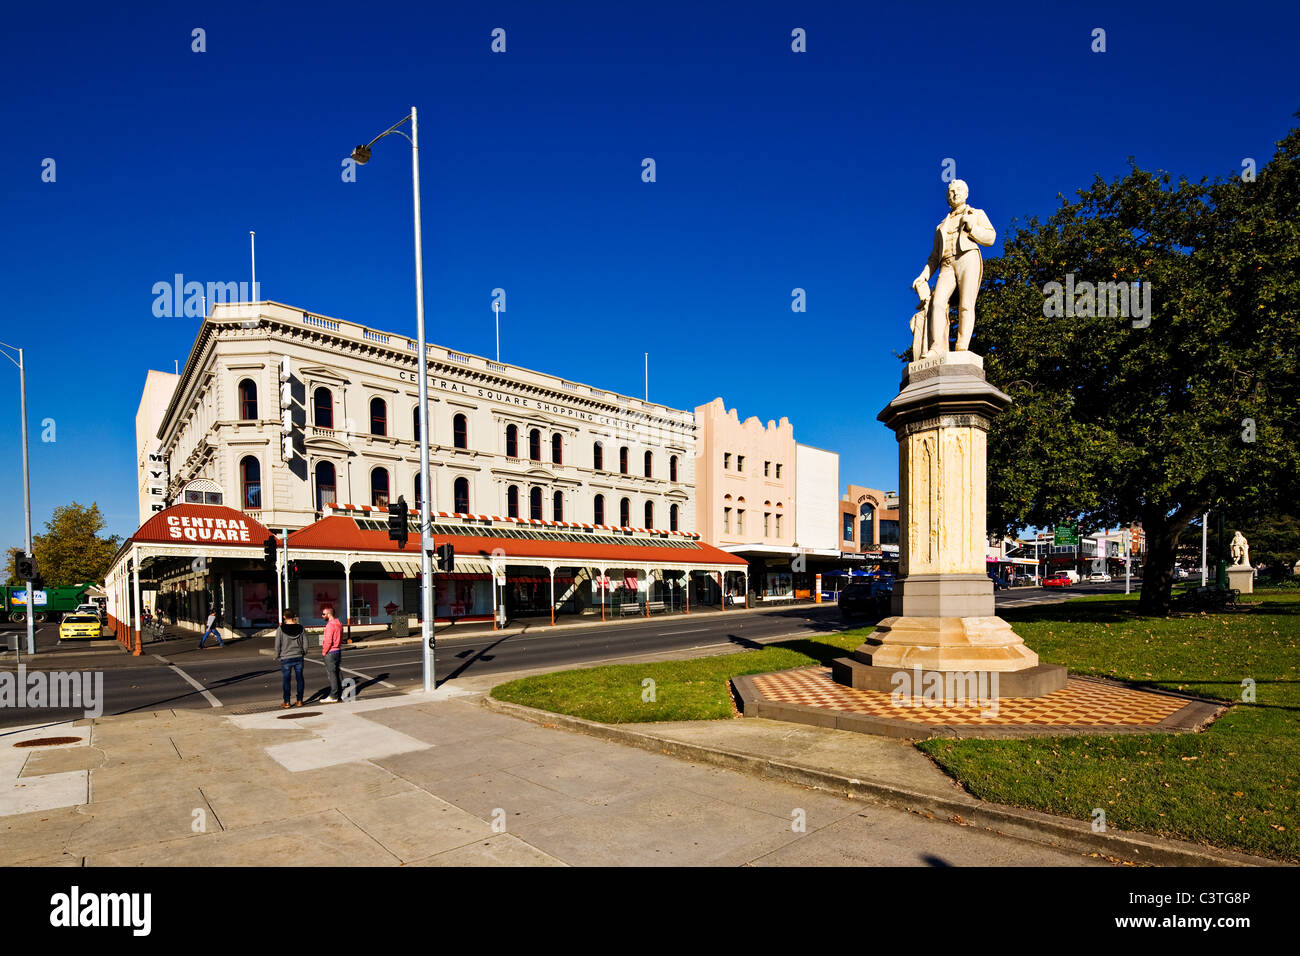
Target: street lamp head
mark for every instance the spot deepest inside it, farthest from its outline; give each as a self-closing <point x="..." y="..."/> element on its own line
<point x="361" y="155"/>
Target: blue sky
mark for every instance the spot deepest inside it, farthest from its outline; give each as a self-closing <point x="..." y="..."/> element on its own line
<point x="775" y="170"/>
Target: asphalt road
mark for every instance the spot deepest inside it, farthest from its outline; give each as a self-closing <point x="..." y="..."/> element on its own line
<point x="236" y="677"/>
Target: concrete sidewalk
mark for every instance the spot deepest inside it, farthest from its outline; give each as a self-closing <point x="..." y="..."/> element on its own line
<point x="434" y="780"/>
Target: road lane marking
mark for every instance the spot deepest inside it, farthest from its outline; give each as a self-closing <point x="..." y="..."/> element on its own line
<point x="191" y="681"/>
<point x="689" y="630"/>
<point x="347" y="670"/>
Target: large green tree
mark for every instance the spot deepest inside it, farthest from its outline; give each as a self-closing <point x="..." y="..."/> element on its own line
<point x="71" y="551"/>
<point x="1156" y="418"/>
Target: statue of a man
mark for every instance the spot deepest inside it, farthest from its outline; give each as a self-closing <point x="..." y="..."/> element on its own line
<point x="1240" y="550"/>
<point x="956" y="259"/>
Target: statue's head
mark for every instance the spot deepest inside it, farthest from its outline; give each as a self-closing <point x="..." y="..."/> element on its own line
<point x="957" y="193"/>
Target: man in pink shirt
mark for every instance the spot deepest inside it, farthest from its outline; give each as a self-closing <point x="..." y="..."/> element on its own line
<point x="331" y="647"/>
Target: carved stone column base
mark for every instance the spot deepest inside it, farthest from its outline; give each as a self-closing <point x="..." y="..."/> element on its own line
<point x="946" y="644"/>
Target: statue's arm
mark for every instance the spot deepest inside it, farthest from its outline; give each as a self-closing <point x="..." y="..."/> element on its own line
<point x="936" y="254"/>
<point x="982" y="230"/>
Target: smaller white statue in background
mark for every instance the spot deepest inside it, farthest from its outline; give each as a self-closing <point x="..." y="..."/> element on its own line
<point x="1240" y="550"/>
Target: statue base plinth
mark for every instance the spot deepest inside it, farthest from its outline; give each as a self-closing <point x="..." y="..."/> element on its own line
<point x="1242" y="579"/>
<point x="947" y="646"/>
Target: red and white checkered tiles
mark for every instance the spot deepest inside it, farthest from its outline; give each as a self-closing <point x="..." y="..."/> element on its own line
<point x="1078" y="703"/>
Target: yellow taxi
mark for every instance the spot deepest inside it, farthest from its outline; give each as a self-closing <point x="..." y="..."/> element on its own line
<point x="80" y="627"/>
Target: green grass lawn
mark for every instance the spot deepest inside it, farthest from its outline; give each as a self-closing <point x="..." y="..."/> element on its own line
<point x="683" y="690"/>
<point x="1234" y="785"/>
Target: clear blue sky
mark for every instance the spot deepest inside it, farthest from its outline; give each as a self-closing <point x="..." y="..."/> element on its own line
<point x="775" y="170"/>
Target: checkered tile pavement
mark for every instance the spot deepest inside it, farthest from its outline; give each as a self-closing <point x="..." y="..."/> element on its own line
<point x="1079" y="703"/>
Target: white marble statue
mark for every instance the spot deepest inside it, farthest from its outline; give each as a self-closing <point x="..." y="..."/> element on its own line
<point x="955" y="259"/>
<point x="1240" y="550"/>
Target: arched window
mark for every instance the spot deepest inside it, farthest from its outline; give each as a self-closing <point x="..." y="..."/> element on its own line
<point x="322" y="408"/>
<point x="624" y="513"/>
<point x="535" y="445"/>
<point x="557" y="506"/>
<point x="672" y="468"/>
<point x="866" y="534"/>
<point x="379" y="487"/>
<point x="672" y="518"/>
<point x="649" y="464"/>
<point x="598" y="456"/>
<point x="247" y="400"/>
<point x="512" y="500"/>
<point x="378" y="417"/>
<point x="598" y="508"/>
<point x="512" y="443"/>
<point x="326" y="485"/>
<point x="557" y="449"/>
<point x="418" y="497"/>
<point x="535" y="503"/>
<point x="622" y="460"/>
<point x="649" y="514"/>
<point x="250" y="483"/>
<point x="461" y="492"/>
<point x="460" y="431"/>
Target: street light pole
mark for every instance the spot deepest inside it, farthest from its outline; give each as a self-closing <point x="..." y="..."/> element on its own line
<point x="361" y="155"/>
<point x="27" y="496"/>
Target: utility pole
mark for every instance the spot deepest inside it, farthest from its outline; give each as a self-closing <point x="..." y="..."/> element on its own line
<point x="27" y="497"/>
<point x="1205" y="568"/>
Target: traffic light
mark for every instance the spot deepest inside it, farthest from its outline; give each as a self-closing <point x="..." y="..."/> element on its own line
<point x="446" y="557"/>
<point x="38" y="582"/>
<point x="397" y="529"/>
<point x="269" y="547"/>
<point x="25" y="566"/>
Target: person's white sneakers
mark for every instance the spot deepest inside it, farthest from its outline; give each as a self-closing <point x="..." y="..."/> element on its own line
<point x="330" y="700"/>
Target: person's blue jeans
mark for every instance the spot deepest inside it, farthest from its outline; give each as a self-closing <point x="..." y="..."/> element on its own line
<point x="213" y="631"/>
<point x="292" y="666"/>
<point x="333" y="666"/>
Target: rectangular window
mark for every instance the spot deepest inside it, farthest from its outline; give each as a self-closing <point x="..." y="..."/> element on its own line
<point x="778" y="469"/>
<point x="848" y="527"/>
<point x="767" y="468"/>
<point x="726" y="459"/>
<point x="740" y="521"/>
<point x="767" y="523"/>
<point x="778" y="526"/>
<point x="726" y="520"/>
<point x="740" y="463"/>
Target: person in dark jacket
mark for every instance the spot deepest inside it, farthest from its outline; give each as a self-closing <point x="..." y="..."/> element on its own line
<point x="290" y="649"/>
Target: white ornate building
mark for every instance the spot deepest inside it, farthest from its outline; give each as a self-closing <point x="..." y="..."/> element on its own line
<point x="504" y="440"/>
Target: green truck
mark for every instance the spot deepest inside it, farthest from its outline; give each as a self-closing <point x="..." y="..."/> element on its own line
<point x="51" y="603"/>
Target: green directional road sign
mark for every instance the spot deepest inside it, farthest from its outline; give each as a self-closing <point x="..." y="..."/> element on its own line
<point x="1066" y="536"/>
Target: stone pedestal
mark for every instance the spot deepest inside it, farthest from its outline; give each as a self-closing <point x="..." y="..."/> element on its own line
<point x="1242" y="579"/>
<point x="944" y="618"/>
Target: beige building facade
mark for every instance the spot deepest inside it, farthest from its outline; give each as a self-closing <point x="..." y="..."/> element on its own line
<point x="283" y="412"/>
<point x="150" y="464"/>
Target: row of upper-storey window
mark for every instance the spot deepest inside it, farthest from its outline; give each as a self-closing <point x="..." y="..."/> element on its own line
<point x="323" y="417"/>
<point x="740" y="465"/>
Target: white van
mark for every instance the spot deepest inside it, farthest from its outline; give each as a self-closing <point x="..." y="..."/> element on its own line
<point x="1071" y="574"/>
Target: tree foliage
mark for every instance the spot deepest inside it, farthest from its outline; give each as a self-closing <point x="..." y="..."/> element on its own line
<point x="71" y="550"/>
<point x="1199" y="409"/>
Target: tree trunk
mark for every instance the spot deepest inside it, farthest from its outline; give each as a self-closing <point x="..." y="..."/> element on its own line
<point x="1158" y="568"/>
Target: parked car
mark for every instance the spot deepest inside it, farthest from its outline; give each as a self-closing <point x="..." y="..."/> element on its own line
<point x="89" y="609"/>
<point x="80" y="627"/>
<point x="1057" y="581"/>
<point x="1101" y="576"/>
<point x="866" y="599"/>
